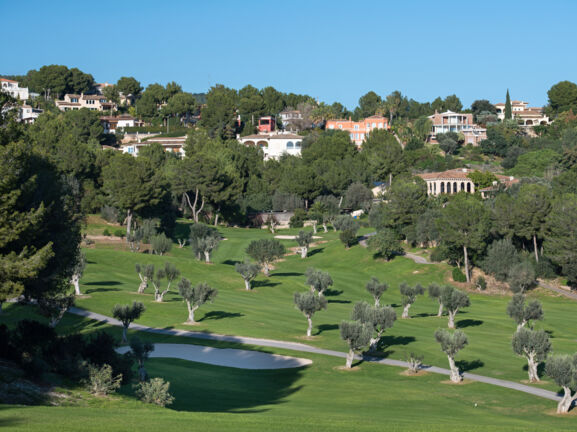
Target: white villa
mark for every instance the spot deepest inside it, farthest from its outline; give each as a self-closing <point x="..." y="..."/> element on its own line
<point x="92" y="102"/>
<point x="171" y="145"/>
<point x="450" y="121"/>
<point x="457" y="180"/>
<point x="275" y="144"/>
<point x="28" y="114"/>
<point x="529" y="116"/>
<point x="13" y="89"/>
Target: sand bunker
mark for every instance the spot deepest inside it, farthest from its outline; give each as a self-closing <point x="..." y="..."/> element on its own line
<point x="235" y="358"/>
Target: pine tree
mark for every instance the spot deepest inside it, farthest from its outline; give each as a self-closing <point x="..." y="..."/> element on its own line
<point x="508" y="113"/>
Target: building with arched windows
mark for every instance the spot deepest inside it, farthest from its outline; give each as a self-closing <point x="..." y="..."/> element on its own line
<point x="457" y="180"/>
<point x="276" y="144"/>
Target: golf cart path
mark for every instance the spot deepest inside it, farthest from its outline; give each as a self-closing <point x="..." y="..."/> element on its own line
<point x="236" y="358"/>
<point x="295" y="346"/>
<point x="417" y="258"/>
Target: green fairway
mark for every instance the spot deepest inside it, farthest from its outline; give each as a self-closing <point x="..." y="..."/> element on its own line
<point x="268" y="310"/>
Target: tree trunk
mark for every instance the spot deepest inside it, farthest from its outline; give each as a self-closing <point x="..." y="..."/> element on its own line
<point x="521" y="325"/>
<point x="466" y="264"/>
<point x="143" y="285"/>
<point x="455" y="375"/>
<point x="207" y="256"/>
<point x="310" y="327"/>
<point x="124" y="330"/>
<point x="265" y="269"/>
<point x="350" y="358"/>
<point x="406" y="311"/>
<point x="314" y="227"/>
<point x="373" y="343"/>
<point x="128" y="222"/>
<point x="76" y="283"/>
<point x="566" y="401"/>
<point x="216" y="218"/>
<point x="304" y="251"/>
<point x="532" y="368"/>
<point x="535" y="247"/>
<point x="377" y="301"/>
<point x="161" y="295"/>
<point x="325" y="228"/>
<point x="440" y="313"/>
<point x="452" y="319"/>
<point x="191" y="310"/>
<point x="247" y="284"/>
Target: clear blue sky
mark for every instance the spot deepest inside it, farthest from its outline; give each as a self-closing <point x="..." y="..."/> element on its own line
<point x="332" y="50"/>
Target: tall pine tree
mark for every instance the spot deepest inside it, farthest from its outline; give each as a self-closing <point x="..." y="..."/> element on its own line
<point x="508" y="113"/>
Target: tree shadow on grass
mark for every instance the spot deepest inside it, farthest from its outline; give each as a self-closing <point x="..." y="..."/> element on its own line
<point x="313" y="252"/>
<point x="424" y="315"/>
<point x="231" y="262"/>
<point x="96" y="290"/>
<point x="216" y="315"/>
<point x="199" y="387"/>
<point x="326" y="327"/>
<point x="102" y="283"/>
<point x="339" y="301"/>
<point x="466" y="365"/>
<point x="264" y="283"/>
<point x="332" y="293"/>
<point x="469" y="323"/>
<point x="389" y="341"/>
<point x="288" y="274"/>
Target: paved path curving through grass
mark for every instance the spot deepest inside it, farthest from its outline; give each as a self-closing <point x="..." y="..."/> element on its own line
<point x="236" y="358"/>
<point x="294" y="346"/>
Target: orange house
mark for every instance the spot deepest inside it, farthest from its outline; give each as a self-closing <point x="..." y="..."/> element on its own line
<point x="360" y="130"/>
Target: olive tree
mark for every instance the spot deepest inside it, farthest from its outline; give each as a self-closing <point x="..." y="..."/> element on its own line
<point x="563" y="369"/>
<point x="534" y="346"/>
<point x="78" y="271"/>
<point x="357" y="335"/>
<point x="453" y="300"/>
<point x="385" y="243"/>
<point x="304" y="240"/>
<point x="145" y="273"/>
<point x="435" y="293"/>
<point x="264" y="252"/>
<point x="141" y="351"/>
<point x="309" y="303"/>
<point x="376" y="289"/>
<point x="409" y="296"/>
<point x="451" y="344"/>
<point x="521" y="277"/>
<point x="248" y="271"/>
<point x="204" y="240"/>
<point x="318" y="280"/>
<point x="55" y="306"/>
<point x="195" y="296"/>
<point x="126" y="314"/>
<point x="523" y="313"/>
<point x="170" y="273"/>
<point x="376" y="317"/>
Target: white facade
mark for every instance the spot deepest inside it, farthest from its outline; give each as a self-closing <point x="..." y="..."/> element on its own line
<point x="526" y="115"/>
<point x="275" y="145"/>
<point x="170" y="145"/>
<point x="29" y="114"/>
<point x="12" y="88"/>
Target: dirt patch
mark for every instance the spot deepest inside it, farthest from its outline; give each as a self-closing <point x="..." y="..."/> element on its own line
<point x="553" y="412"/>
<point x="414" y="374"/>
<point x="308" y="338"/>
<point x="494" y="287"/>
<point x="191" y="324"/>
<point x="542" y="382"/>
<point x="463" y="382"/>
<point x="346" y="369"/>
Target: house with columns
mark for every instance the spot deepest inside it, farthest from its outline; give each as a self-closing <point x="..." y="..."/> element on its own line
<point x="457" y="180"/>
<point x="275" y="144"/>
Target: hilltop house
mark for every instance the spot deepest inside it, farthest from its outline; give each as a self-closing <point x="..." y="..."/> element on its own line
<point x="459" y="123"/>
<point x="290" y="119"/>
<point x="111" y="123"/>
<point x="92" y="102"/>
<point x="169" y="144"/>
<point x="360" y="130"/>
<point x="13" y="89"/>
<point x="28" y="114"/>
<point x="527" y="116"/>
<point x="457" y="180"/>
<point x="275" y="144"/>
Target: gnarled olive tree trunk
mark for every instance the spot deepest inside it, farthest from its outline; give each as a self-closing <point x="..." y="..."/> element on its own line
<point x="566" y="402"/>
<point x="455" y="375"/>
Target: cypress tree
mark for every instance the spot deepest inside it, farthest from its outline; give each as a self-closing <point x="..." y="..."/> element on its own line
<point x="508" y="113"/>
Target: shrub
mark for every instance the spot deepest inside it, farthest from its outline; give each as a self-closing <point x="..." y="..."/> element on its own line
<point x="119" y="233"/>
<point x="298" y="219"/>
<point x="458" y="275"/>
<point x="385" y="244"/>
<point x="148" y="229"/>
<point x="109" y="214"/>
<point x="348" y="237"/>
<point x="545" y="268"/>
<point x="100" y="381"/>
<point x="161" y="244"/>
<point x="154" y="391"/>
<point x="415" y="362"/>
<point x="521" y="277"/>
<point x="106" y="232"/>
<point x="438" y="254"/>
<point x="501" y="256"/>
<point x="481" y="283"/>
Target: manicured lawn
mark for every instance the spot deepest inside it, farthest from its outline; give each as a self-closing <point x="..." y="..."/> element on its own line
<point x="268" y="310"/>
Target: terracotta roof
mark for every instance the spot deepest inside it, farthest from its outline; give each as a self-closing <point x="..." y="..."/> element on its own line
<point x="272" y="136"/>
<point x="461" y="174"/>
<point x="376" y="117"/>
<point x="7" y="80"/>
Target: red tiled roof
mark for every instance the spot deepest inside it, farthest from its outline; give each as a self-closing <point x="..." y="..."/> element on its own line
<point x="7" y="80"/>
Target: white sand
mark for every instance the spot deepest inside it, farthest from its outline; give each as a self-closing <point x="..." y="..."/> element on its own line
<point x="235" y="358"/>
<point x="290" y="237"/>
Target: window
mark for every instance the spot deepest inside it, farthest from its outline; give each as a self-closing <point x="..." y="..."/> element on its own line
<point x="380" y="125"/>
<point x="357" y="138"/>
<point x="298" y="144"/>
<point x="356" y="127"/>
<point x="368" y="125"/>
<point x="362" y="136"/>
<point x="340" y="126"/>
<point x="352" y="136"/>
<point x="374" y="124"/>
<point x="289" y="145"/>
<point x="74" y="99"/>
<point x="331" y="126"/>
